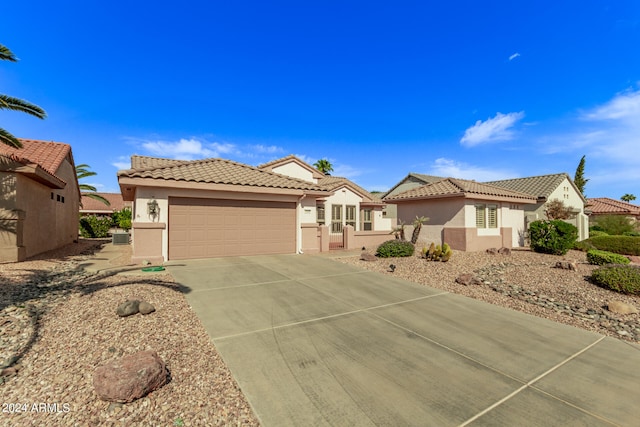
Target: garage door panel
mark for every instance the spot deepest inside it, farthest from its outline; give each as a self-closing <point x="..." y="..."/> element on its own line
<point x="204" y="228"/>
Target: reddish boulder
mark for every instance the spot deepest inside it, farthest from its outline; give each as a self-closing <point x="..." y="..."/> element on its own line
<point x="366" y="256"/>
<point x="468" y="279"/>
<point x="131" y="377"/>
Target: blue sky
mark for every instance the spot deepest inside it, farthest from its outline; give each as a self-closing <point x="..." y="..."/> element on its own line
<point x="477" y="90"/>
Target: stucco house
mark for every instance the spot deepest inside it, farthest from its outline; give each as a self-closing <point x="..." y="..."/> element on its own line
<point x="467" y="215"/>
<point x="39" y="200"/>
<point x="599" y="206"/>
<point x="349" y="204"/>
<point x="215" y="207"/>
<point x="412" y="180"/>
<point x="547" y="188"/>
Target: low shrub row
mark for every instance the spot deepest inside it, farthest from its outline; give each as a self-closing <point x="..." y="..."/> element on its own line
<point x="625" y="245"/>
<point x="598" y="257"/>
<point x="619" y="278"/>
<point x="95" y="226"/>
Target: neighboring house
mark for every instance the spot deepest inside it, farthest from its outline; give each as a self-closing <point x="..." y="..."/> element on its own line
<point x="90" y="206"/>
<point x="547" y="188"/>
<point x="349" y="204"/>
<point x="467" y="215"/>
<point x="605" y="206"/>
<point x="410" y="181"/>
<point x="39" y="201"/>
<point x="215" y="207"/>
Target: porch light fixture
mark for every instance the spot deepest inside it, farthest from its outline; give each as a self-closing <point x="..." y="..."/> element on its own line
<point x="152" y="209"/>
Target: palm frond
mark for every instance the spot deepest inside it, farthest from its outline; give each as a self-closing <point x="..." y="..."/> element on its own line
<point x="10" y="103"/>
<point x="82" y="171"/>
<point x="87" y="187"/>
<point x="96" y="197"/>
<point x="8" y="139"/>
<point x="6" y="54"/>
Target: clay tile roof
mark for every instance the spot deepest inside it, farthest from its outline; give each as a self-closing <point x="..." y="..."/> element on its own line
<point x="605" y="205"/>
<point x="539" y="186"/>
<point x="48" y="156"/>
<point x="332" y="183"/>
<point x="280" y="160"/>
<point x="143" y="162"/>
<point x="92" y="205"/>
<point x="452" y="187"/>
<point x="217" y="171"/>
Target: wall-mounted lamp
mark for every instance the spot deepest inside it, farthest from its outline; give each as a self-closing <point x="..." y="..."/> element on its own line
<point x="153" y="209"/>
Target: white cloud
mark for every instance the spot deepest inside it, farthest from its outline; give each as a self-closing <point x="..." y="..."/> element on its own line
<point x="187" y="149"/>
<point x="266" y="149"/>
<point x="346" y="171"/>
<point x="451" y="168"/>
<point x="514" y="56"/>
<point x="123" y="162"/>
<point x="624" y="106"/>
<point x="494" y="129"/>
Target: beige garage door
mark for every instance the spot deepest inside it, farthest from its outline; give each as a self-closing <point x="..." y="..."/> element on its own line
<point x="206" y="228"/>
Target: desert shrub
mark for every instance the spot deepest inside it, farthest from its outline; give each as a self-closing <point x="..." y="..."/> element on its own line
<point x="95" y="226"/>
<point x="625" y="245"/>
<point x="583" y="245"/>
<point x="619" y="278"/>
<point x="122" y="219"/>
<point x="614" y="225"/>
<point x="598" y="257"/>
<point x="596" y="233"/>
<point x="395" y="248"/>
<point x="552" y="236"/>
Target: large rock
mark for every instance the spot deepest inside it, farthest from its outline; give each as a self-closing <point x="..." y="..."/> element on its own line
<point x="492" y="251"/>
<point x="131" y="377"/>
<point x="128" y="308"/>
<point x="468" y="280"/>
<point x="504" y="251"/>
<point x="366" y="256"/>
<point x="621" y="307"/>
<point x="566" y="265"/>
<point x="146" y="308"/>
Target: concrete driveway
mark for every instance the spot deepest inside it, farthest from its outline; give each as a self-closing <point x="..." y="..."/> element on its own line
<point x="313" y="342"/>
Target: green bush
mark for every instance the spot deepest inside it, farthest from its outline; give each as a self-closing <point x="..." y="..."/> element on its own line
<point x="625" y="245"/>
<point x="619" y="278"/>
<point x="95" y="226"/>
<point x="583" y="245"/>
<point x="614" y="225"/>
<point x="598" y="257"/>
<point x="122" y="219"/>
<point x="552" y="237"/>
<point x="395" y="248"/>
<point x="596" y="233"/>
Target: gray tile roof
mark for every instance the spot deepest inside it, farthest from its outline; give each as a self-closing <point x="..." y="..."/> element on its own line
<point x="213" y="171"/>
<point x="450" y="187"/>
<point x="332" y="183"/>
<point x="539" y="186"/>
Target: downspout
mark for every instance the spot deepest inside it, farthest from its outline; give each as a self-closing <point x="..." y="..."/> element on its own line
<point x="299" y="225"/>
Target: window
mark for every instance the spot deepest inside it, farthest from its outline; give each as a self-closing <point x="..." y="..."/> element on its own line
<point x="351" y="216"/>
<point x="336" y="218"/>
<point x="320" y="214"/>
<point x="480" y="217"/>
<point x="365" y="217"/>
<point x="486" y="216"/>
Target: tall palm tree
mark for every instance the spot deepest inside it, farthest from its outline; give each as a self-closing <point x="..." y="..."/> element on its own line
<point x="324" y="166"/>
<point x="10" y="103"/>
<point x="628" y="198"/>
<point x="82" y="171"/>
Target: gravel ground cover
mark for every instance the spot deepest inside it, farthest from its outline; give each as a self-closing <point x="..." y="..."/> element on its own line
<point x="525" y="281"/>
<point x="58" y="323"/>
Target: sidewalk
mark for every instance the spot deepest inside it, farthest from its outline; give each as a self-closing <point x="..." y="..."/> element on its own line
<point x="112" y="259"/>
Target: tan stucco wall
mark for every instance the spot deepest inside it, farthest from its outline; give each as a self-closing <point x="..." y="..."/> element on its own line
<point x="294" y="170"/>
<point x="48" y="223"/>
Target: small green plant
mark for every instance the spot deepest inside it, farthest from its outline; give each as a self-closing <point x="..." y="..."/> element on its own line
<point x="598" y="257"/>
<point x="583" y="245"/>
<point x="554" y="237"/>
<point x="395" y="248"/>
<point x="417" y="226"/>
<point x="619" y="278"/>
<point x="437" y="253"/>
<point x="92" y="226"/>
<point x="178" y="422"/>
<point x="625" y="245"/>
<point x="122" y="219"/>
<point x="596" y="233"/>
